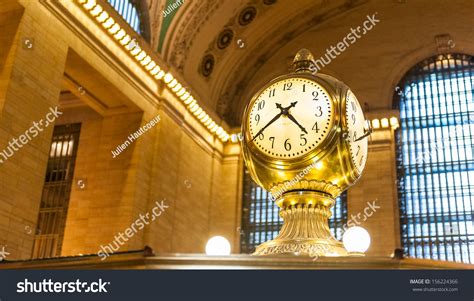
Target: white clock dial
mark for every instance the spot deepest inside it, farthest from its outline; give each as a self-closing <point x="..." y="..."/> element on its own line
<point x="355" y="126"/>
<point x="290" y="118"/>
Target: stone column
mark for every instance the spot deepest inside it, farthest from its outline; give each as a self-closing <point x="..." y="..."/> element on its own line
<point x="31" y="73"/>
<point x="373" y="200"/>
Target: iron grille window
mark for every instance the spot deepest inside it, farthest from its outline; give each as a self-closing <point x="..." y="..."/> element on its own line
<point x="128" y="10"/>
<point x="435" y="158"/>
<point x="56" y="191"/>
<point x="260" y="219"/>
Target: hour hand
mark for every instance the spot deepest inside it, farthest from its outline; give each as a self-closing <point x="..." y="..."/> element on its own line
<point x="296" y="122"/>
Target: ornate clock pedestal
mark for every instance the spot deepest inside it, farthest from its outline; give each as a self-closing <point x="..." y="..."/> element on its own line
<point x="305" y="230"/>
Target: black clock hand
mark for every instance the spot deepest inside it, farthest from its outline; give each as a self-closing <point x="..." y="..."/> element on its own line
<point x="296" y="122"/>
<point x="366" y="133"/>
<point x="287" y="109"/>
<point x="267" y="125"/>
<point x="363" y="136"/>
<point x="284" y="111"/>
<point x="271" y="121"/>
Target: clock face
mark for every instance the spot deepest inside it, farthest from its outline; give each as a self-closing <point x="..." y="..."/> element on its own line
<point x="355" y="125"/>
<point x="290" y="118"/>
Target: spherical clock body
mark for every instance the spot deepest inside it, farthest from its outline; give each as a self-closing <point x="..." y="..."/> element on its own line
<point x="306" y="130"/>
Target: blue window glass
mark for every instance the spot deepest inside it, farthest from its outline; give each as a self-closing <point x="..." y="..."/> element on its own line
<point x="435" y="158"/>
<point x="261" y="222"/>
<point x="128" y="11"/>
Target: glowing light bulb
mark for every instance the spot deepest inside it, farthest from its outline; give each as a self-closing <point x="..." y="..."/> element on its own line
<point x="394" y="122"/>
<point x="376" y="123"/>
<point x="356" y="240"/>
<point x="218" y="245"/>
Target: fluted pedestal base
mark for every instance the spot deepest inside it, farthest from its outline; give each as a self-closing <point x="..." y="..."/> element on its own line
<point x="305" y="230"/>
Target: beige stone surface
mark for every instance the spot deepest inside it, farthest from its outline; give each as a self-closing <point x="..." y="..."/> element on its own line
<point x="178" y="160"/>
<point x="31" y="80"/>
<point x="377" y="186"/>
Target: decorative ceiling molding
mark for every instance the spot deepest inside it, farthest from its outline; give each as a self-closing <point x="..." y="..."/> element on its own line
<point x="227" y="90"/>
<point x="233" y="29"/>
<point x="177" y="53"/>
<point x="155" y="18"/>
<point x="230" y="104"/>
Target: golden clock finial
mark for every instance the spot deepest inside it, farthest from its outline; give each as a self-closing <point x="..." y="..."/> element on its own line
<point x="304" y="62"/>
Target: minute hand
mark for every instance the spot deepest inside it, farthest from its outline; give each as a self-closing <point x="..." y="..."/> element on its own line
<point x="297" y="123"/>
<point x="267" y="125"/>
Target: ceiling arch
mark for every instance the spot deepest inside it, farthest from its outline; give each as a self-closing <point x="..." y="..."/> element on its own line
<point x="226" y="50"/>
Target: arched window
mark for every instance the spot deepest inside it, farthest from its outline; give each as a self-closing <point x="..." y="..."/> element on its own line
<point x="128" y="10"/>
<point x="260" y="219"/>
<point x="435" y="158"/>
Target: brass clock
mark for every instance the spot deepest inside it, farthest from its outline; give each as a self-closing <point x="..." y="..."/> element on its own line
<point x="305" y="141"/>
<point x="279" y="112"/>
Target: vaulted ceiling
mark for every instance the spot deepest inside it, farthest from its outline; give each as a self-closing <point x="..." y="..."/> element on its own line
<point x="226" y="50"/>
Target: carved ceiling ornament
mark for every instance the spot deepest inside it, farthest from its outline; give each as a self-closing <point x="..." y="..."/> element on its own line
<point x="232" y="94"/>
<point x="229" y="94"/>
<point x="233" y="30"/>
<point x="155" y="21"/>
<point x="198" y="14"/>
